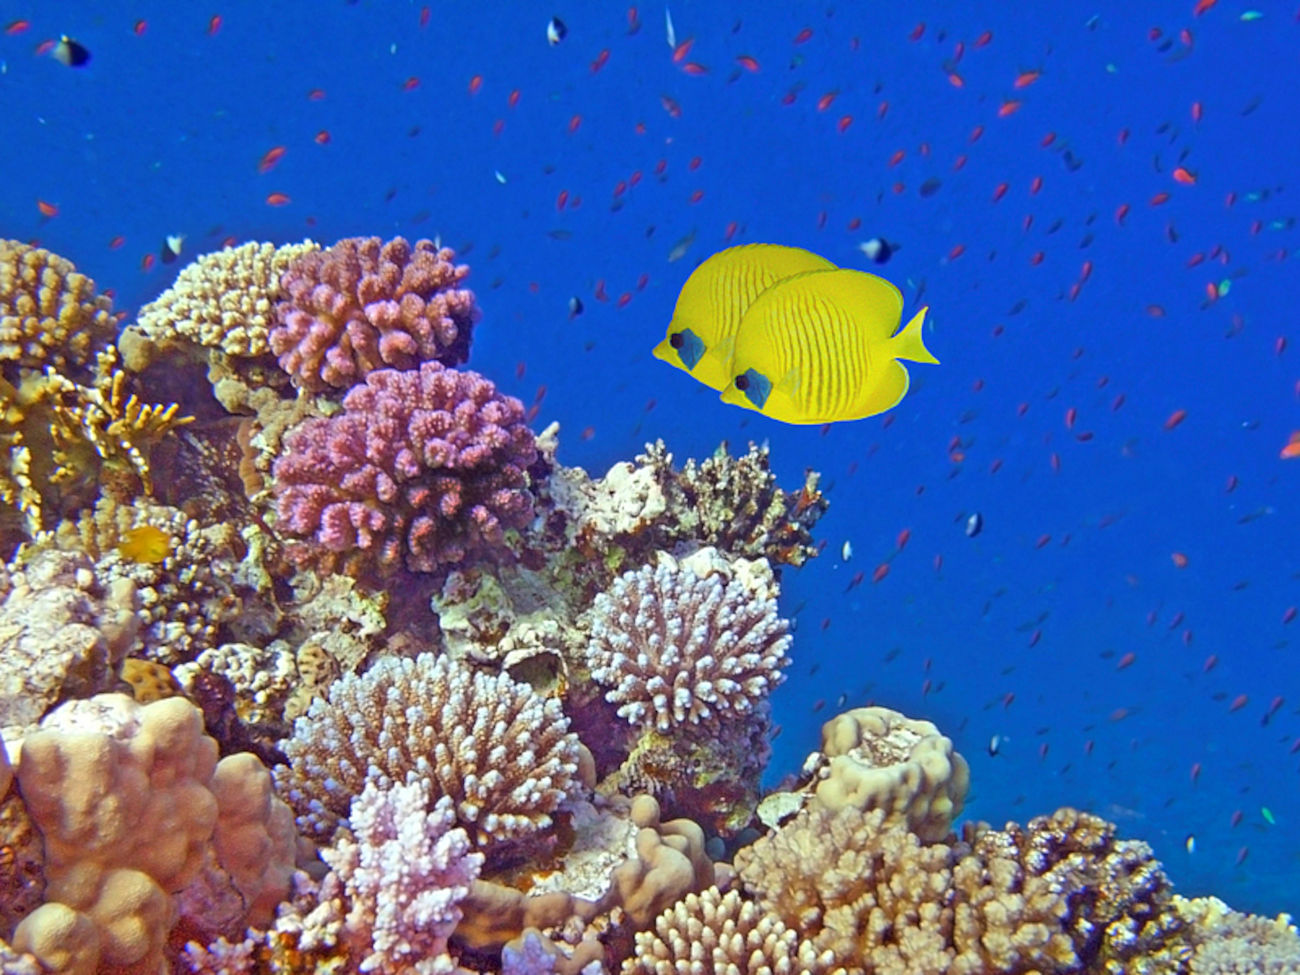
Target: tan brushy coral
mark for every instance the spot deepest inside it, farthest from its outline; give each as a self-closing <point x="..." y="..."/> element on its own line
<point x="876" y="758"/>
<point x="223" y="300"/>
<point x="500" y="750"/>
<point x="715" y="934"/>
<point x="50" y="315"/>
<point x="134" y="809"/>
<point x="1231" y="943"/>
<point x="1060" y="894"/>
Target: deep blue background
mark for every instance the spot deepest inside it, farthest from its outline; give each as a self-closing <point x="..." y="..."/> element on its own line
<point x="163" y="131"/>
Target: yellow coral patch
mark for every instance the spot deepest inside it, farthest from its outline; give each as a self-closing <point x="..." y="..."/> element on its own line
<point x="149" y="681"/>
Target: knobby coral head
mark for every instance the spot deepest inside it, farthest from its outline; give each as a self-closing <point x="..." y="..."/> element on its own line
<point x="421" y="469"/>
<point x="363" y="305"/>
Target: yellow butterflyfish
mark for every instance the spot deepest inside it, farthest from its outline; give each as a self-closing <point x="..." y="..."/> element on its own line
<point x="821" y="346"/>
<point x="714" y="299"/>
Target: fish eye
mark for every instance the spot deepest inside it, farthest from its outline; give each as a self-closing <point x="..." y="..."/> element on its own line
<point x="756" y="387"/>
<point x="676" y="340"/>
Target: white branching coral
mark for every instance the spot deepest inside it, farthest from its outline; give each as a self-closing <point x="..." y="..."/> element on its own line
<point x="675" y="645"/>
<point x="404" y="875"/>
<point x="499" y="750"/>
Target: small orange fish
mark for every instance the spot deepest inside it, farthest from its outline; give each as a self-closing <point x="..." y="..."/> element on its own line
<point x="269" y="160"/>
<point x="47" y="209"/>
<point x="277" y="199"/>
<point x="1292" y="449"/>
<point x="147" y="545"/>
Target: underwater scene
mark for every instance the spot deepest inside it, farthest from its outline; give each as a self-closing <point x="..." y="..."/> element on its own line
<point x="649" y="489"/>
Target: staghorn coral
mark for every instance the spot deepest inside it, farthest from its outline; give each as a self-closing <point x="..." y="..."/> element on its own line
<point x="501" y="752"/>
<point x="50" y="315"/>
<point x="875" y="758"/>
<point x="421" y="469"/>
<point x="403" y="873"/>
<point x="680" y="645"/>
<point x="222" y="301"/>
<point x="362" y="305"/>
<point x="711" y="932"/>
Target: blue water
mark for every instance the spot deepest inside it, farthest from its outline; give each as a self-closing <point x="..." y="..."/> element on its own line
<point x="163" y="131"/>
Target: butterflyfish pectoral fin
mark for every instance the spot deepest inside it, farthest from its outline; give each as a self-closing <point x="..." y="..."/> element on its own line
<point x="909" y="343"/>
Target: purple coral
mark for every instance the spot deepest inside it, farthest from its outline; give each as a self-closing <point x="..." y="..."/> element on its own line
<point x="675" y="648"/>
<point x="421" y="468"/>
<point x="404" y="875"/>
<point x="361" y="305"/>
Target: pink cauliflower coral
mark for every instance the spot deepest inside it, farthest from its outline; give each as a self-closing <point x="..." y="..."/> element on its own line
<point x="362" y="305"/>
<point x="421" y="469"/>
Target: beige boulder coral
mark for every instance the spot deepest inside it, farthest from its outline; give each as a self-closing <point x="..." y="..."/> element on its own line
<point x="135" y="810"/>
<point x="876" y="758"/>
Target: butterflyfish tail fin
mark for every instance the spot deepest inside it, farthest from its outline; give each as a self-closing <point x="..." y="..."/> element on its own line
<point x="909" y="343"/>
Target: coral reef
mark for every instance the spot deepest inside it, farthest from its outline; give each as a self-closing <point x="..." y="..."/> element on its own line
<point x="451" y="706"/>
<point x="1061" y="894"/>
<point x="734" y="504"/>
<point x="499" y="750"/>
<point x="363" y="305"/>
<point x="676" y="646"/>
<point x="421" y="469"/>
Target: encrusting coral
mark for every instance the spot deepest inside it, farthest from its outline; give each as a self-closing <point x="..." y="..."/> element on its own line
<point x="63" y="633"/>
<point x="499" y="750"/>
<point x="677" y="647"/>
<point x="363" y="305"/>
<point x="420" y="470"/>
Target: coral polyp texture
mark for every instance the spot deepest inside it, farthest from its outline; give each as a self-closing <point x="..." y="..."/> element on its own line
<point x="50" y="313"/>
<point x="498" y="749"/>
<point x="711" y="932"/>
<point x="363" y="305"/>
<point x="421" y="469"/>
<point x="674" y="647"/>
